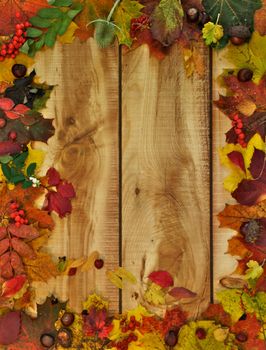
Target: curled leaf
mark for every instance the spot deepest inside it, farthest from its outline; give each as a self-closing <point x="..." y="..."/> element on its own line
<point x="162" y="278"/>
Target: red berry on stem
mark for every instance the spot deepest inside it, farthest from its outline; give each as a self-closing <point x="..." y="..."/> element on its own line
<point x="17" y="224"/>
<point x="98" y="263"/>
<point x="241" y="136"/>
<point x="18" y="14"/>
<point x="238" y="131"/>
<point x="12" y="135"/>
<point x="3" y="52"/>
<point x="2" y="123"/>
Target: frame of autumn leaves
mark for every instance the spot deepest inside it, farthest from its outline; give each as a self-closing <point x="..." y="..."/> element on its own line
<point x="238" y="321"/>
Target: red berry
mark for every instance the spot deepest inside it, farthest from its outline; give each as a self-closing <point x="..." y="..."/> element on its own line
<point x="132" y="318"/>
<point x="21" y="212"/>
<point x="18" y="26"/>
<point x="12" y="135"/>
<point x="21" y="221"/>
<point x="240" y="125"/>
<point x="241" y="136"/>
<point x="124" y="329"/>
<point x="13" y="56"/>
<point x="17" y="218"/>
<point x="236" y="117"/>
<point x="98" y="263"/>
<point x="10" y="46"/>
<point x="134" y="337"/>
<point x="2" y="123"/>
<point x="201" y="333"/>
<point x="171" y="338"/>
<point x="3" y="52"/>
<point x="13" y="215"/>
<point x="27" y="24"/>
<point x="17" y="224"/>
<point x="26" y="221"/>
<point x="19" y="32"/>
<point x="131" y="326"/>
<point x="18" y="15"/>
<point x="15" y="38"/>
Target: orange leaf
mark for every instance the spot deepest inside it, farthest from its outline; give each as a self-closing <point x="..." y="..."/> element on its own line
<point x="260" y="19"/>
<point x="237" y="248"/>
<point x="13" y="286"/>
<point x="42" y="268"/>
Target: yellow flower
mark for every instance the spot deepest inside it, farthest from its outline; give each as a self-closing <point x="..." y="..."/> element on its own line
<point x="95" y="301"/>
<point x="6" y="74"/>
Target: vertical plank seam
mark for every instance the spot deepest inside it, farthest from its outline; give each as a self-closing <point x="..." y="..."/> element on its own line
<point x="211" y="173"/>
<point x="120" y="166"/>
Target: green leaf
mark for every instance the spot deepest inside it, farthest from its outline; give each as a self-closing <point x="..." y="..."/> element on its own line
<point x="123" y="15"/>
<point x="18" y="178"/>
<point x="20" y="159"/>
<point x="31" y="168"/>
<point x="33" y="33"/>
<point x="50" y="13"/>
<point x="40" y="102"/>
<point x="167" y="21"/>
<point x="5" y="159"/>
<point x="64" y="25"/>
<point x="39" y="44"/>
<point x="50" y="37"/>
<point x="6" y="171"/>
<point x="59" y="3"/>
<point x="75" y="10"/>
<point x="26" y="46"/>
<point x="232" y="12"/>
<point x="104" y="34"/>
<point x="40" y="22"/>
<point x="26" y="184"/>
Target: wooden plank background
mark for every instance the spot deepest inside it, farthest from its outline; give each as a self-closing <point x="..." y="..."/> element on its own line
<point x="133" y="135"/>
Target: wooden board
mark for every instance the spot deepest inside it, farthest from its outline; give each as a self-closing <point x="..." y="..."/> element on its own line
<point x="85" y="151"/>
<point x="165" y="172"/>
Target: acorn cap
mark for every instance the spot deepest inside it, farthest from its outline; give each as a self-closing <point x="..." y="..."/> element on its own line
<point x="240" y="32"/>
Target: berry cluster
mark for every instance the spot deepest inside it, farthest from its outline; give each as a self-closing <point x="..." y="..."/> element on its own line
<point x="137" y="24"/>
<point x="18" y="215"/>
<point x="129" y="326"/>
<point x="123" y="344"/>
<point x="10" y="49"/>
<point x="238" y="128"/>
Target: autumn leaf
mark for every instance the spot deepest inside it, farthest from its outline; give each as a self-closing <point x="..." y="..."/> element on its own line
<point x="162" y="278"/>
<point x="154" y="294"/>
<point x="6" y="74"/>
<point x="260" y="19"/>
<point x="10" y="325"/>
<point x="167" y="21"/>
<point x="251" y="55"/>
<point x="125" y="12"/>
<point x="181" y="293"/>
<point x="237" y="247"/>
<point x="13" y="286"/>
<point x="69" y="35"/>
<point x="231" y="301"/>
<point x="212" y="33"/>
<point x="254" y="270"/>
<point x="120" y="276"/>
<point x="42" y="268"/>
<point x="216" y="312"/>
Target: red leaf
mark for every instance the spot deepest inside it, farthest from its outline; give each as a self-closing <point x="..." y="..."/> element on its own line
<point x="9" y="327"/>
<point x="24" y="231"/>
<point x="3" y="232"/>
<point x="13" y="286"/>
<point x="53" y="177"/>
<point x="7" y="271"/>
<point x="22" y="109"/>
<point x="58" y="203"/>
<point x="237" y="158"/>
<point x="9" y="147"/>
<point x="66" y="190"/>
<point x="216" y="312"/>
<point x="162" y="278"/>
<point x="6" y="104"/>
<point x="4" y="245"/>
<point x="4" y="259"/>
<point x="16" y="263"/>
<point x="12" y="115"/>
<point x="257" y="163"/>
<point x="22" y="248"/>
<point x="181" y="293"/>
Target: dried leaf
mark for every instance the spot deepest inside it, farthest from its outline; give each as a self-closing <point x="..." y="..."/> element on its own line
<point x="42" y="268"/>
<point x="162" y="278"/>
<point x="260" y="19"/>
<point x="22" y="248"/>
<point x="233" y="282"/>
<point x="120" y="276"/>
<point x="90" y="261"/>
<point x="181" y="293"/>
<point x="24" y="231"/>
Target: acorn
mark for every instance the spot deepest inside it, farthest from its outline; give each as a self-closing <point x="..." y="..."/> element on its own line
<point x="19" y="70"/>
<point x="242" y="337"/>
<point x="192" y="14"/>
<point x="64" y="337"/>
<point x="235" y="40"/>
<point x="171" y="338"/>
<point x="98" y="263"/>
<point x="67" y="319"/>
<point x="47" y="340"/>
<point x="239" y="34"/>
<point x="244" y="75"/>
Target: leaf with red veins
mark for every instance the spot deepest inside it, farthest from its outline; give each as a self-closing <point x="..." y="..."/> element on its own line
<point x="3" y="232"/>
<point x="250" y="192"/>
<point x="9" y="147"/>
<point x="181" y="293"/>
<point x="10" y="325"/>
<point x="16" y="263"/>
<point x="22" y="248"/>
<point x="97" y="322"/>
<point x="24" y="231"/>
<point x="13" y="286"/>
<point x="238" y="160"/>
<point x="162" y="278"/>
<point x="53" y="177"/>
<point x="4" y="245"/>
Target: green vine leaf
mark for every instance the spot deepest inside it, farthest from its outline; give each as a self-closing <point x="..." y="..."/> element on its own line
<point x="167" y="21"/>
<point x="232" y="12"/>
<point x="104" y="33"/>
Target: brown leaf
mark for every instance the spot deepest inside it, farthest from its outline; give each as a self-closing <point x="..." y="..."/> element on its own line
<point x="246" y="107"/>
<point x="234" y="215"/>
<point x="42" y="268"/>
<point x="22" y="248"/>
<point x="24" y="231"/>
<point x="237" y="248"/>
<point x="181" y="293"/>
<point x="233" y="282"/>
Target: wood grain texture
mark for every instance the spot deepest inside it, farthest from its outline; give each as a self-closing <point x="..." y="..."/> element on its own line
<point x="165" y="162"/>
<point x="223" y="264"/>
<point x="84" y="149"/>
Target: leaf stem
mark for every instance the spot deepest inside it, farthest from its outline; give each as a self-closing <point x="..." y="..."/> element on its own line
<point x="113" y="10"/>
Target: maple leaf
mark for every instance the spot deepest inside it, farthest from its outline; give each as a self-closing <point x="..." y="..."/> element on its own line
<point x="10" y="325"/>
<point x="32" y="329"/>
<point x="212" y="33"/>
<point x="167" y="21"/>
<point x="96" y="322"/>
<point x="254" y="270"/>
<point x="231" y="301"/>
<point x="125" y="12"/>
<point x="41" y="268"/>
<point x="9" y="9"/>
<point x="162" y="278"/>
<point x="251" y="55"/>
<point x="154" y="294"/>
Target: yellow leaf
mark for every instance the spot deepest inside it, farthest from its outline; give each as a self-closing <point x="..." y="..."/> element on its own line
<point x="251" y="55"/>
<point x="89" y="263"/>
<point x="155" y="294"/>
<point x="42" y="268"/>
<point x="119" y="276"/>
<point x="35" y="156"/>
<point x="6" y="74"/>
<point x="96" y="302"/>
<point x="68" y="37"/>
<point x="246" y="107"/>
<point x="237" y="175"/>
